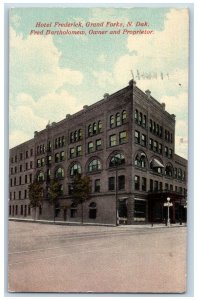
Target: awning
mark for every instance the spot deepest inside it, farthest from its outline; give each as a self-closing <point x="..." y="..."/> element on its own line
<point x="157" y="163"/>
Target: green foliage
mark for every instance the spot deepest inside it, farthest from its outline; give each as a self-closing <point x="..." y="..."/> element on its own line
<point x="53" y="192"/>
<point x="81" y="189"/>
<point x="36" y="194"/>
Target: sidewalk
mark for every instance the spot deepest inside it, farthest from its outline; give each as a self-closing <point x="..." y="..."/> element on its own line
<point x="64" y="223"/>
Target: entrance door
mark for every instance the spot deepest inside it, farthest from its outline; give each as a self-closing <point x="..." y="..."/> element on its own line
<point x="122" y="211"/>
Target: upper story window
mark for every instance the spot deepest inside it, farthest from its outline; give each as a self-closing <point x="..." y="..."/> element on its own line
<point x="137" y="137"/>
<point x="118" y="119"/>
<point x="99" y="126"/>
<point x="97" y="185"/>
<point x="180" y="173"/>
<point x="75" y="169"/>
<point x="112" y="140"/>
<point x="57" y="157"/>
<point x="137" y="182"/>
<point x="94" y="128"/>
<point x="90" y="130"/>
<point x="112" y="121"/>
<point x="124" y="116"/>
<point x="21" y="156"/>
<point x="117" y="160"/>
<point x="169" y="170"/>
<point x="122" y="137"/>
<point x="144" y="121"/>
<point x="94" y="165"/>
<point x="40" y="176"/>
<point x="59" y="173"/>
<point x="166" y="151"/>
<point x="143" y="140"/>
<point x="98" y="144"/>
<point x="79" y="150"/>
<point x="26" y="154"/>
<point x="62" y="155"/>
<point x="136" y="116"/>
<point x="156" y="165"/>
<point x="90" y="147"/>
<point x="72" y="152"/>
<point x="140" y="160"/>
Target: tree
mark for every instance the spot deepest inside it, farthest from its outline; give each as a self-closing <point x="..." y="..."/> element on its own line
<point x="81" y="190"/>
<point x="36" y="195"/>
<point x="53" y="194"/>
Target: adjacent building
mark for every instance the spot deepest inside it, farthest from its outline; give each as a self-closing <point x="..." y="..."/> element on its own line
<point x="125" y="143"/>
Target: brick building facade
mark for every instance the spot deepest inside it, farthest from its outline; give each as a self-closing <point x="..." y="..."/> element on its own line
<point x="125" y="143"/>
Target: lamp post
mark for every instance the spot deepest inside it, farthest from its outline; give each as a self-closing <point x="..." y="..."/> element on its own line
<point x="168" y="204"/>
<point x="116" y="163"/>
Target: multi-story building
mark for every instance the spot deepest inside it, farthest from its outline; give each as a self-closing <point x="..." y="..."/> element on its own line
<point x="125" y="143"/>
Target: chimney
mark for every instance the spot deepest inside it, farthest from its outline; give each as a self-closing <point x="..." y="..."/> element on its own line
<point x="163" y="106"/>
<point x="148" y="93"/>
<point x="132" y="83"/>
<point x="67" y="116"/>
<point x="106" y="96"/>
<point x="85" y="106"/>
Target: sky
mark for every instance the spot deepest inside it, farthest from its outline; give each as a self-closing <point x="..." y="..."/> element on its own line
<point x="53" y="75"/>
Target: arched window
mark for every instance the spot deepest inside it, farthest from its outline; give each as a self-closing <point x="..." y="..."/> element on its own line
<point x="169" y="170"/>
<point x="59" y="173"/>
<point x="80" y="134"/>
<point x="99" y="126"/>
<point x="180" y="173"/>
<point x="140" y="160"/>
<point x="75" y="169"/>
<point x="75" y="135"/>
<point x="40" y="176"/>
<point x="57" y="157"/>
<point x="112" y="121"/>
<point x="92" y="210"/>
<point x="89" y="130"/>
<point x="118" y="119"/>
<point x="94" y="165"/>
<point x="124" y="116"/>
<point x="136" y="115"/>
<point x="71" y="137"/>
<point x="94" y="128"/>
<point x="117" y="160"/>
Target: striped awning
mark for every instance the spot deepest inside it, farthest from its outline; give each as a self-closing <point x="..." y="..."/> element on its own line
<point x="157" y="164"/>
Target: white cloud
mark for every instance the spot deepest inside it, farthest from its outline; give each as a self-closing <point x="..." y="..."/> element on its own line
<point x="34" y="66"/>
<point x="16" y="137"/>
<point x="102" y="58"/>
<point x="103" y="78"/>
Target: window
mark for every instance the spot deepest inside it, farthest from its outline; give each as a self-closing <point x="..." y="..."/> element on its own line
<point x="26" y="154"/>
<point x="98" y="144"/>
<point x="112" y="121"/>
<point x="38" y="163"/>
<point x="75" y="136"/>
<point x="48" y="174"/>
<point x="79" y="150"/>
<point x="151" y="144"/>
<point x="92" y="210"/>
<point x="137" y="137"/>
<point x="166" y="186"/>
<point x="137" y="182"/>
<point x="71" y="137"/>
<point x="63" y="141"/>
<point x="21" y="209"/>
<point x="121" y="182"/>
<point x="15" y="169"/>
<point x="144" y="121"/>
<point x="72" y="152"/>
<point x="62" y="155"/>
<point x="49" y="146"/>
<point x="160" y="186"/>
<point x="26" y="166"/>
<point x="169" y="170"/>
<point x="97" y="186"/>
<point x="155" y="185"/>
<point x="155" y="146"/>
<point x="111" y="183"/>
<point x="112" y="140"/>
<point x="10" y="181"/>
<point x="57" y="157"/>
<point x="90" y="130"/>
<point x="143" y="140"/>
<point x="124" y="116"/>
<point x="118" y="119"/>
<point x="61" y="192"/>
<point x="122" y="137"/>
<point x="179" y="174"/>
<point x="151" y="185"/>
<point x="166" y="151"/>
<point x="75" y="169"/>
<point x="19" y="194"/>
<point x="136" y="116"/>
<point x="99" y="126"/>
<point x="15" y="158"/>
<point x="21" y="168"/>
<point x="175" y="172"/>
<point x="29" y="211"/>
<point x="73" y="210"/>
<point x="160" y="131"/>
<point x="157" y="129"/>
<point x="30" y="178"/>
<point x="49" y="160"/>
<point x="117" y="160"/>
<point x="25" y="178"/>
<point x="140" y="118"/>
<point x="21" y="156"/>
<point x="31" y="164"/>
<point x="94" y="165"/>
<point x="171" y="187"/>
<point x="140" y="210"/>
<point x="19" y="180"/>
<point x="59" y="173"/>
<point x="25" y="194"/>
<point x="170" y="153"/>
<point x="143" y="184"/>
<point x="14" y="180"/>
<point x="90" y="147"/>
<point x="151" y="125"/>
<point x="171" y="137"/>
<point x="42" y="162"/>
<point x="40" y="176"/>
<point x="140" y="160"/>
<point x="160" y="148"/>
<point x="94" y="128"/>
<point x="16" y="209"/>
<point x="80" y="134"/>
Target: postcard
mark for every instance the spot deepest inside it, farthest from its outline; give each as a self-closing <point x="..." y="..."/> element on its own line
<point x="98" y="138"/>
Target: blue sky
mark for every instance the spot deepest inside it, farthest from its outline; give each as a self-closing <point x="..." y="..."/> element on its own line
<point x="51" y="76"/>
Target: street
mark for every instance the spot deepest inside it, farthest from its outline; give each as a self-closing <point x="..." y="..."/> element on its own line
<point x="55" y="258"/>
